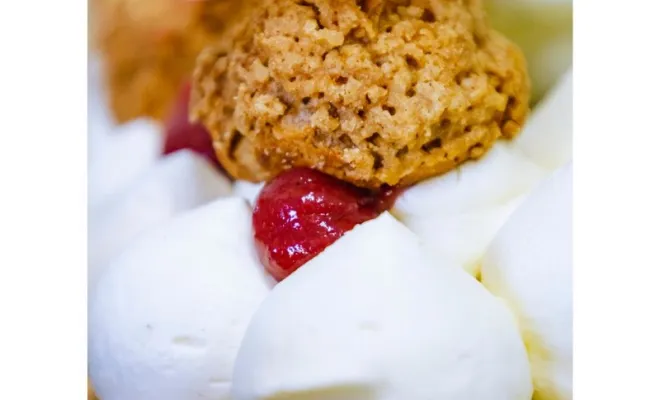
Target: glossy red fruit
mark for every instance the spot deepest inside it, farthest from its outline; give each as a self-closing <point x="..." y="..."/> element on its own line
<point x="181" y="134"/>
<point x="302" y="211"/>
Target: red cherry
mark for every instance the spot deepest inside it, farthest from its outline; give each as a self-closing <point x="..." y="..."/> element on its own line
<point x="303" y="211"/>
<point x="181" y="134"/>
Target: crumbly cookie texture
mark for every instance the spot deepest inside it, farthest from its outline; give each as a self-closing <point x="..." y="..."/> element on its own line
<point x="373" y="92"/>
<point x="149" y="48"/>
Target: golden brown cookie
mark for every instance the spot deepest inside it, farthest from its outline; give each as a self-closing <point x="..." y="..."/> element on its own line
<point x="371" y="91"/>
<point x="149" y="48"/>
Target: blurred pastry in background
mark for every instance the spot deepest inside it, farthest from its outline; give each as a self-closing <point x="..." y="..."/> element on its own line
<point x="544" y="31"/>
<point x="374" y="93"/>
<point x="148" y="48"/>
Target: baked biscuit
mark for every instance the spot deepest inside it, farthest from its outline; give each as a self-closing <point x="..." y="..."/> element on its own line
<point x="148" y="48"/>
<point x="372" y="92"/>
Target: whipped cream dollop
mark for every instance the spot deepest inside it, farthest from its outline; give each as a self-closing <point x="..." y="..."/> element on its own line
<point x="168" y="315"/>
<point x="371" y="318"/>
<point x="547" y="137"/>
<point x="457" y="214"/>
<point x="119" y="156"/>
<point x="178" y="182"/>
<point x="544" y="31"/>
<point x="529" y="264"/>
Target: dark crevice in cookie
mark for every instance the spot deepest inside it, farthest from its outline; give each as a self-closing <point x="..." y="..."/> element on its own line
<point x="445" y="124"/>
<point x="317" y="12"/>
<point x="288" y="104"/>
<point x="356" y="36"/>
<point x="378" y="161"/>
<point x="373" y="138"/>
<point x="412" y="62"/>
<point x="507" y="116"/>
<point x="332" y="111"/>
<point x="346" y="141"/>
<point x="428" y="16"/>
<point x="510" y="105"/>
<point x="235" y="140"/>
<point x="441" y="129"/>
<point x="432" y="144"/>
<point x="476" y="150"/>
<point x="389" y="109"/>
<point x="460" y="77"/>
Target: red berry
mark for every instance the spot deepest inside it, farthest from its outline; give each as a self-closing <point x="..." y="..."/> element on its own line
<point x="181" y="134"/>
<point x="302" y="211"/>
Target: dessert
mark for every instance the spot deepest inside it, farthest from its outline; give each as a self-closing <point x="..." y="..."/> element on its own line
<point x="168" y="315"/>
<point x="310" y="277"/>
<point x="536" y="281"/>
<point x="372" y="318"/>
<point x="372" y="93"/>
<point x="148" y="48"/>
